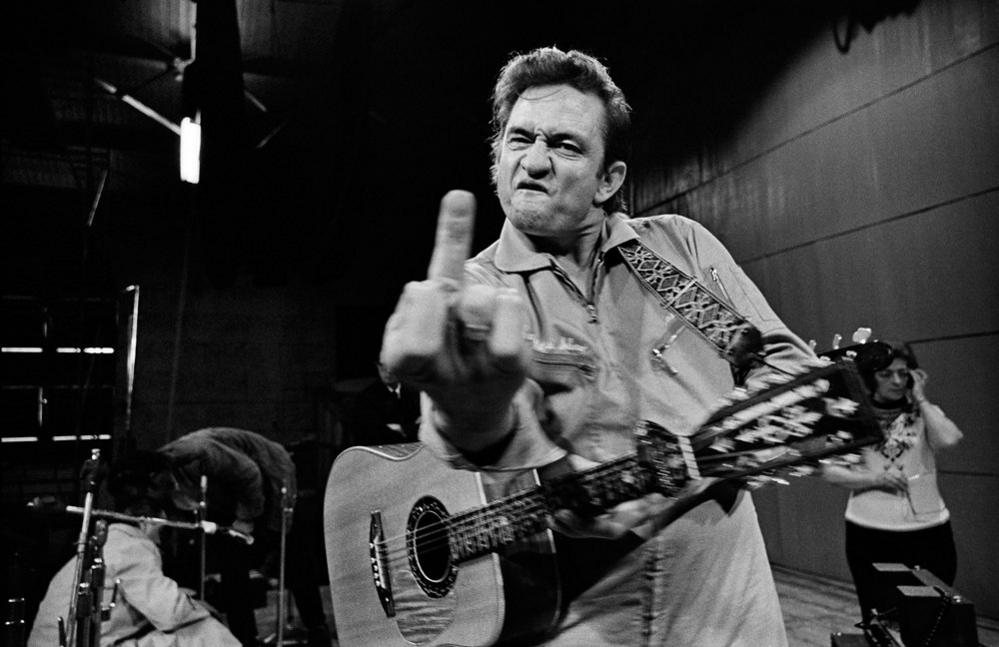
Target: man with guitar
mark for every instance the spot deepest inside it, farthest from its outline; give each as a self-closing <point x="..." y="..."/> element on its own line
<point x="555" y="342"/>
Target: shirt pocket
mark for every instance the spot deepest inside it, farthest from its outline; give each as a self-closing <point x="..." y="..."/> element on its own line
<point x="558" y="371"/>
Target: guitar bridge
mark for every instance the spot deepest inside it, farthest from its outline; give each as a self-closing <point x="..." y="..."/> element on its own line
<point x="379" y="564"/>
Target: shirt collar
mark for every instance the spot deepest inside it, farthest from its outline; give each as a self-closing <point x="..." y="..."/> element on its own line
<point x="516" y="253"/>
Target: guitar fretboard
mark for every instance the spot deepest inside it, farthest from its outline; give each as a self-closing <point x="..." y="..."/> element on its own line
<point x="519" y="516"/>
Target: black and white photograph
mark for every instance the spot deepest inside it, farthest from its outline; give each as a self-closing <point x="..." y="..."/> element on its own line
<point x="467" y="323"/>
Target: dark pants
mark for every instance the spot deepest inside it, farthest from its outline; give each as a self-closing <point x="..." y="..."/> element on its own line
<point x="305" y="566"/>
<point x="931" y="549"/>
<point x="234" y="561"/>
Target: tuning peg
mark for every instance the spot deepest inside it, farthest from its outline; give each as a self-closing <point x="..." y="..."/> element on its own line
<point x="861" y="335"/>
<point x="837" y="338"/>
<point x="841" y="408"/>
<point x="802" y="470"/>
<point x="723" y="444"/>
<point x="738" y="394"/>
<point x="776" y="379"/>
<point x="817" y="361"/>
<point x="760" y="480"/>
<point x="812" y="345"/>
<point x="843" y="460"/>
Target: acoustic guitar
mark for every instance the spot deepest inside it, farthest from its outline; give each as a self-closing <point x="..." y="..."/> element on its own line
<point x="420" y="553"/>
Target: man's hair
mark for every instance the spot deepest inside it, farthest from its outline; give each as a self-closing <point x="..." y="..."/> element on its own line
<point x="552" y="66"/>
<point x="131" y="482"/>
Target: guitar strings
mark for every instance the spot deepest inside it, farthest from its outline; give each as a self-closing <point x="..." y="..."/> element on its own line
<point x="524" y="504"/>
<point x="528" y="503"/>
<point x="604" y="471"/>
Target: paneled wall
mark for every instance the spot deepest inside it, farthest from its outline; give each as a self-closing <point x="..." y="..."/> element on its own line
<point x="857" y="182"/>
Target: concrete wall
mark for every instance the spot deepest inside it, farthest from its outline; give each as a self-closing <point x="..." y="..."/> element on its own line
<point x="858" y="185"/>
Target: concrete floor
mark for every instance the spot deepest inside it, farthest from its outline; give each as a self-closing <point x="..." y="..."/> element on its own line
<point x="814" y="608"/>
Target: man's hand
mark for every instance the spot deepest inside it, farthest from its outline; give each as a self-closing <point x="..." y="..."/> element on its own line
<point x="464" y="346"/>
<point x="244" y="526"/>
<point x="647" y="515"/>
<point x="644" y="516"/>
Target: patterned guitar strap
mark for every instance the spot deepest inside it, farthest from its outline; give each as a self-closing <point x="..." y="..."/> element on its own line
<point x="736" y="340"/>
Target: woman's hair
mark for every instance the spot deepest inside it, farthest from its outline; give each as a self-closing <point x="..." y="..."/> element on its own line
<point x="899" y="350"/>
<point x="552" y="66"/>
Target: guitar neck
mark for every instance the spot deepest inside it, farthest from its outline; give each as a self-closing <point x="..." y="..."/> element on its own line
<point x="516" y="517"/>
<point x="798" y="419"/>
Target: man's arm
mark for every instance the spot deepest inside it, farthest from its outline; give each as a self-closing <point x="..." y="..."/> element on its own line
<point x="719" y="271"/>
<point x="463" y="346"/>
<point x="239" y="475"/>
<point x="135" y="561"/>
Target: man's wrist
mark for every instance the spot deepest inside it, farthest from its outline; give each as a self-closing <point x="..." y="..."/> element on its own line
<point x="481" y="437"/>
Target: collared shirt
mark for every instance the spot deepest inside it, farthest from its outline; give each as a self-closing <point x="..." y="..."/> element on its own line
<point x="150" y="608"/>
<point x="705" y="579"/>
<point x="905" y="451"/>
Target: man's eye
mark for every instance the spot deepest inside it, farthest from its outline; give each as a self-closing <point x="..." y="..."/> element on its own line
<point x="570" y="147"/>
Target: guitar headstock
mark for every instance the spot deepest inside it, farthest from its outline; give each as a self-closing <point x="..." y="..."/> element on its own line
<point x="864" y="351"/>
<point x="791" y="424"/>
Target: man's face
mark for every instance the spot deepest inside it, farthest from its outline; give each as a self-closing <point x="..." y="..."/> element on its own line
<point x="550" y="175"/>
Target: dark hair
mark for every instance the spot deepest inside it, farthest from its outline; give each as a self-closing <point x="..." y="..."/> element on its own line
<point x="131" y="482"/>
<point x="899" y="350"/>
<point x="552" y="66"/>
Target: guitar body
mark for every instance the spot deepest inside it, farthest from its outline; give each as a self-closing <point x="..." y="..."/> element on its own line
<point x="389" y="588"/>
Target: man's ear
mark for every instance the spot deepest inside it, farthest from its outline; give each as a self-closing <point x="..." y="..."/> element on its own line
<point x="610" y="181"/>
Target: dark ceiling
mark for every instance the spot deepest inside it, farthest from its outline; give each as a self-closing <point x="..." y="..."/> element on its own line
<point x="331" y="127"/>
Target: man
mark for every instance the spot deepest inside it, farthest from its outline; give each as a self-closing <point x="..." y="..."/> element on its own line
<point x="151" y="609"/>
<point x="547" y="344"/>
<point x="383" y="413"/>
<point x="245" y="475"/>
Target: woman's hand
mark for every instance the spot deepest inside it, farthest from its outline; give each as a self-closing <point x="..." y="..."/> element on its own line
<point x="892" y="481"/>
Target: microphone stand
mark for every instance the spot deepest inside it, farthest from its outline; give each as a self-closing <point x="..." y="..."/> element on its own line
<point x="13" y="626"/>
<point x="208" y="527"/>
<point x="282" y="592"/>
<point x="80" y="594"/>
<point x="287" y="503"/>
<point x="201" y="515"/>
<point x="89" y="620"/>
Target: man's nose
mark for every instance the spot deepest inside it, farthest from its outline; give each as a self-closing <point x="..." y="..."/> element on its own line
<point x="536" y="161"/>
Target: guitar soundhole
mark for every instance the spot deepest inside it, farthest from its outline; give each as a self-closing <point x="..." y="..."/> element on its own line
<point x="427" y="541"/>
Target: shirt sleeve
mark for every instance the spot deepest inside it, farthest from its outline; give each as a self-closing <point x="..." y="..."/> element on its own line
<point x="143" y="585"/>
<point x="719" y="271"/>
<point x="240" y="475"/>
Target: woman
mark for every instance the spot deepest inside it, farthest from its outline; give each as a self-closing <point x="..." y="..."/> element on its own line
<point x="895" y="512"/>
